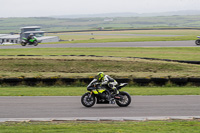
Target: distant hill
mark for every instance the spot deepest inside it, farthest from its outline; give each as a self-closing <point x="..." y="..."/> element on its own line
<point x="180" y="13"/>
<point x="98" y="15"/>
<point x="104" y="21"/>
<point x="128" y="14"/>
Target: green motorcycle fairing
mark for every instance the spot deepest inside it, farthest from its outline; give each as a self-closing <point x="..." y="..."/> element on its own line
<point x="31" y="40"/>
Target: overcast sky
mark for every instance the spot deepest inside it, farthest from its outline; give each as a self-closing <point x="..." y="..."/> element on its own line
<point x="36" y="8"/>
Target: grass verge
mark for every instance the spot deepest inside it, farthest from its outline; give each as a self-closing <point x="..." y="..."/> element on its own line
<point x="127" y="36"/>
<point x="173" y="53"/>
<point x="78" y="91"/>
<point x="102" y="127"/>
<point x="89" y="66"/>
<point x="83" y="66"/>
<point x="130" y="39"/>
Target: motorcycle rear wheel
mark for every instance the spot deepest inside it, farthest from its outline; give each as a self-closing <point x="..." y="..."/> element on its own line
<point x="35" y="43"/>
<point x="125" y="101"/>
<point x="88" y="100"/>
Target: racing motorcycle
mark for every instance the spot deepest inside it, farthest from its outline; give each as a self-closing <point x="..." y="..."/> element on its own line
<point x="32" y="41"/>
<point x="104" y="95"/>
<point x="198" y="41"/>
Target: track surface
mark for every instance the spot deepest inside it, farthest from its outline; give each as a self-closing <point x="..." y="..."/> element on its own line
<point x="70" y="106"/>
<point x="111" y="44"/>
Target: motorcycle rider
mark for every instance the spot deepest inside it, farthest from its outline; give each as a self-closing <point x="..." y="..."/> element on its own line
<point x="103" y="79"/>
<point x="31" y="36"/>
<point x="107" y="80"/>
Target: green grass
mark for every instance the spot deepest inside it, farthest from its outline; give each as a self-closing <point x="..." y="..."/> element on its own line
<point x="88" y="66"/>
<point x="78" y="91"/>
<point x="127" y="36"/>
<point x="130" y="39"/>
<point x="175" y="53"/>
<point x="153" y="32"/>
<point x="73" y="66"/>
<point x="102" y="127"/>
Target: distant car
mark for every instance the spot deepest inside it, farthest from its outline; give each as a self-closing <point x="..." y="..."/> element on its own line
<point x="198" y="41"/>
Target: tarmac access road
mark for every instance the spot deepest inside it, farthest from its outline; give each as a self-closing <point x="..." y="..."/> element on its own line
<point x="110" y="44"/>
<point x="70" y="106"/>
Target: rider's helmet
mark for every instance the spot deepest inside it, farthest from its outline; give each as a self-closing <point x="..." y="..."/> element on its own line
<point x="100" y="76"/>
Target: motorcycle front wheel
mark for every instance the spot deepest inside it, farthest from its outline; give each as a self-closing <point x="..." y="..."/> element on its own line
<point x="88" y="100"/>
<point x="125" y="99"/>
<point x="197" y="42"/>
<point x="35" y="43"/>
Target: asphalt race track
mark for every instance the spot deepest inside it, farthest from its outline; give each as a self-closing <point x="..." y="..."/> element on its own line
<point x="111" y="44"/>
<point x="70" y="106"/>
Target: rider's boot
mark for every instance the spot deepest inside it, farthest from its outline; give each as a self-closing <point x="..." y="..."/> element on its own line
<point x="112" y="101"/>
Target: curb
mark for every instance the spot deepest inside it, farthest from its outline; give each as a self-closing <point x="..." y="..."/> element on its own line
<point x="161" y="118"/>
